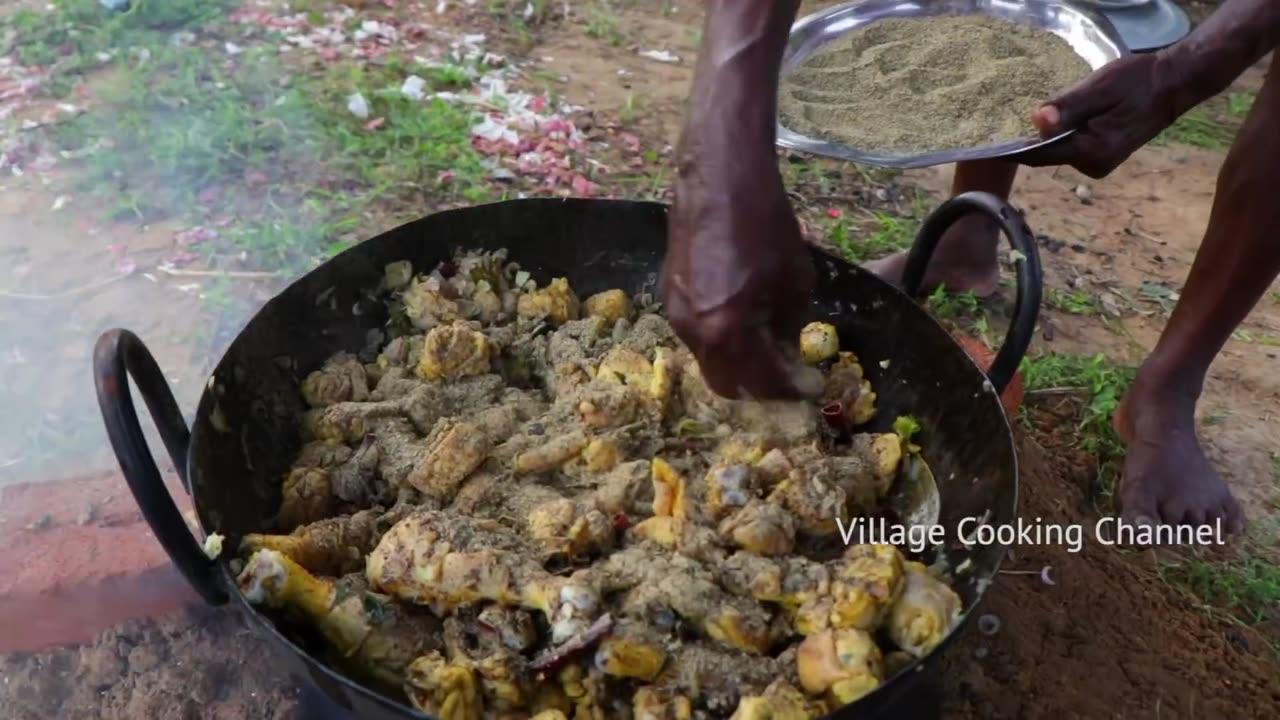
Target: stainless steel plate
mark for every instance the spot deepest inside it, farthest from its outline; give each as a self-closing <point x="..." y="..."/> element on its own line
<point x="1089" y="33"/>
<point x="1157" y="24"/>
<point x="1113" y="4"/>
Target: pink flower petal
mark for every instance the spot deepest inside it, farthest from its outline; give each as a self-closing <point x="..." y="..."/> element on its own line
<point x="182" y="258"/>
<point x="835" y="213"/>
<point x="375" y="123"/>
<point x="583" y="187"/>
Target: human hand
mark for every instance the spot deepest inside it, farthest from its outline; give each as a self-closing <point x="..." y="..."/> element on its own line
<point x="737" y="277"/>
<point x="1114" y="111"/>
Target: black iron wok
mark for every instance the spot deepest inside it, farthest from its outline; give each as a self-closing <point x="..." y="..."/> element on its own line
<point x="245" y="433"/>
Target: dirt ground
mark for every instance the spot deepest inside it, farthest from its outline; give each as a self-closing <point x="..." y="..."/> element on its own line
<point x="1110" y="639"/>
<point x="197" y="665"/>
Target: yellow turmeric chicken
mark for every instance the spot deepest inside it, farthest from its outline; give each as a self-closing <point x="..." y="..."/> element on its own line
<point x="522" y="505"/>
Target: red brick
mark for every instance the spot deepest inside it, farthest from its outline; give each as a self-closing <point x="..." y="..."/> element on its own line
<point x="78" y="558"/>
<point x="984" y="356"/>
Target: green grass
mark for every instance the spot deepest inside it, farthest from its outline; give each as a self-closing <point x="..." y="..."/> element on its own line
<point x="963" y="311"/>
<point x="1212" y="125"/>
<point x="1101" y="383"/>
<point x="1076" y="302"/>
<point x="887" y="234"/>
<point x="276" y="150"/>
<point x="1248" y="588"/>
<point x="603" y="23"/>
<point x="1245" y="589"/>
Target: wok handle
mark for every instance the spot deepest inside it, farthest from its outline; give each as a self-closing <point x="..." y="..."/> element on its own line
<point x="117" y="356"/>
<point x="1030" y="277"/>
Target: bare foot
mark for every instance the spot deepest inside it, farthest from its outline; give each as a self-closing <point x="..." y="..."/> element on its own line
<point x="1167" y="477"/>
<point x="964" y="261"/>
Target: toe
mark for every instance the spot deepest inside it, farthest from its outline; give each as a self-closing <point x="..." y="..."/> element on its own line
<point x="1137" y="507"/>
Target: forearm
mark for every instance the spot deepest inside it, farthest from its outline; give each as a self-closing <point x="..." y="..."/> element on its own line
<point x="735" y="84"/>
<point x="1235" y="37"/>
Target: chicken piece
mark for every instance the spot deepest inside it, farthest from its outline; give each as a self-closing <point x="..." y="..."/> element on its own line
<point x="356" y="480"/>
<point x="762" y="528"/>
<point x="666" y="366"/>
<point x="846" y="385"/>
<point x="514" y="628"/>
<point x="341" y="379"/>
<point x="649" y="332"/>
<point x="398" y="451"/>
<point x="649" y="704"/>
<point x="780" y="701"/>
<point x="601" y="455"/>
<point x="556" y="303"/>
<point x="305" y="497"/>
<point x="603" y="404"/>
<point x="627" y="489"/>
<point x="740" y="450"/>
<point x="729" y="488"/>
<point x="562" y="527"/>
<point x="394" y="383"/>
<point x="454" y="351"/>
<point x="321" y="454"/>
<point x="813" y="501"/>
<point x="611" y="305"/>
<point x="401" y="353"/>
<point x="716" y="678"/>
<point x="549" y="700"/>
<point x="659" y="587"/>
<point x="551" y="454"/>
<point x="840" y="665"/>
<point x="334" y="546"/>
<point x="586" y="692"/>
<point x="444" y="690"/>
<point x="791" y="582"/>
<point x="456" y="448"/>
<point x="505" y="681"/>
<point x="882" y="454"/>
<point x="376" y="638"/>
<point x="819" y="342"/>
<point x="865" y="584"/>
<point x="625" y="367"/>
<point x="697" y="400"/>
<point x="633" y="650"/>
<point x="669" y="491"/>
<point x="347" y="422"/>
<point x="684" y="536"/>
<point x="426" y="404"/>
<point x="570" y="353"/>
<point x="486" y="305"/>
<point x="774" y="467"/>
<point x="426" y="304"/>
<point x="925" y="612"/>
<point x="445" y="561"/>
<point x="397" y="275"/>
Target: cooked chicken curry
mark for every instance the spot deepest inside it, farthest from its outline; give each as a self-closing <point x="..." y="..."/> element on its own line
<point x="532" y="506"/>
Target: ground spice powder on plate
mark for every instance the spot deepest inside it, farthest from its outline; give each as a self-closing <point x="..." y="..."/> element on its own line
<point x="908" y="85"/>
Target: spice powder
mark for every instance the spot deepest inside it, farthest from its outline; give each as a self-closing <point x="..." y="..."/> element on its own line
<point x="907" y="85"/>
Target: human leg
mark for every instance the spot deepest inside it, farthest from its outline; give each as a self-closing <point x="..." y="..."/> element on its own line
<point x="1167" y="477"/>
<point x="965" y="259"/>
